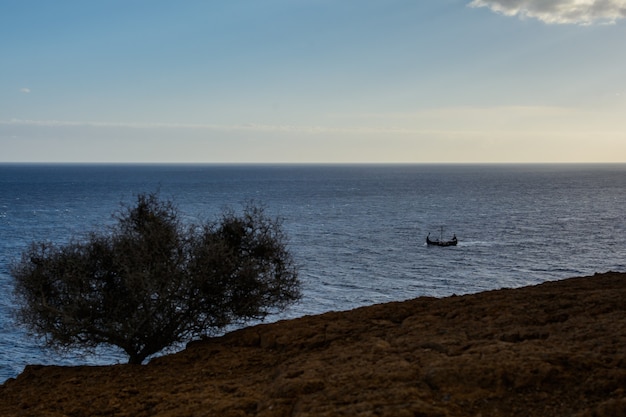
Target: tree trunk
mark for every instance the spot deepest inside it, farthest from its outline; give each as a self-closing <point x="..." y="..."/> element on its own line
<point x="135" y="358"/>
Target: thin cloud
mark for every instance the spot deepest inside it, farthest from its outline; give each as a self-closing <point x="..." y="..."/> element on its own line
<point x="25" y="90"/>
<point x="249" y="127"/>
<point x="581" y="12"/>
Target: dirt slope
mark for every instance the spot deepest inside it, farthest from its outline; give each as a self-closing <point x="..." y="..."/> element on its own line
<point x="556" y="349"/>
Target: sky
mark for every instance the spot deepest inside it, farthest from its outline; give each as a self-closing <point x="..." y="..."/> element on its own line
<point x="313" y="81"/>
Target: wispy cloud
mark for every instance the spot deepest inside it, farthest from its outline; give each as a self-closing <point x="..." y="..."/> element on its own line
<point x="434" y="121"/>
<point x="582" y="12"/>
<point x="25" y="90"/>
<point x="250" y="127"/>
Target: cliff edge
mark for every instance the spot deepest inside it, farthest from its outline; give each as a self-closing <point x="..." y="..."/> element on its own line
<point x="555" y="349"/>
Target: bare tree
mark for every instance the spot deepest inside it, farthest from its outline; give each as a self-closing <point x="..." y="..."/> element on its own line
<point x="151" y="282"/>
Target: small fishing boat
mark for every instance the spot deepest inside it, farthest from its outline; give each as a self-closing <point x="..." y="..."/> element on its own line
<point x="440" y="241"/>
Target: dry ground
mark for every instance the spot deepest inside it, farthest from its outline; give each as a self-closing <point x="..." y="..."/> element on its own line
<point x="556" y="349"/>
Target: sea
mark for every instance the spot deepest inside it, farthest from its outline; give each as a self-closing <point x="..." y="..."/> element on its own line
<point x="357" y="232"/>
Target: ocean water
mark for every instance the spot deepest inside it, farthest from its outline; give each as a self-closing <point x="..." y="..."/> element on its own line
<point x="357" y="231"/>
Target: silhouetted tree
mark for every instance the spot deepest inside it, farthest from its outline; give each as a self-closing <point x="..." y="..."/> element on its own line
<point x="151" y="282"/>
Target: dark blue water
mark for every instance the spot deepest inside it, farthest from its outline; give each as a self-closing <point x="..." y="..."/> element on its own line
<point x="357" y="232"/>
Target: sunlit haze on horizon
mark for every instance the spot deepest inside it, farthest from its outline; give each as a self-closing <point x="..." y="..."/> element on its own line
<point x="367" y="81"/>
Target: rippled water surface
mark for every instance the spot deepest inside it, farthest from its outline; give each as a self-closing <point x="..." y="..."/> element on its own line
<point x="358" y="232"/>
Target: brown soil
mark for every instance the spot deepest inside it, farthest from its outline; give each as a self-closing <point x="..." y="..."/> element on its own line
<point x="556" y="349"/>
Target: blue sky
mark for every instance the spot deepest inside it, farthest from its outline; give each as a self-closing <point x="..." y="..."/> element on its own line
<point x="239" y="81"/>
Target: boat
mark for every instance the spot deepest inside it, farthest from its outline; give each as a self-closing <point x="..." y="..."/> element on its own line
<point x="440" y="241"/>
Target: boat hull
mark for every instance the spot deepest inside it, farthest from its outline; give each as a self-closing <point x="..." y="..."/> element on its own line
<point x="452" y="242"/>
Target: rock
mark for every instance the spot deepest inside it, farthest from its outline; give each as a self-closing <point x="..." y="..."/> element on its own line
<point x="553" y="349"/>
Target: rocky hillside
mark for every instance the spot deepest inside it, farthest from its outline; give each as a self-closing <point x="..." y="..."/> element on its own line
<point x="556" y="349"/>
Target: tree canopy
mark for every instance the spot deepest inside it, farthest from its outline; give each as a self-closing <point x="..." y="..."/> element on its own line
<point x="149" y="281"/>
